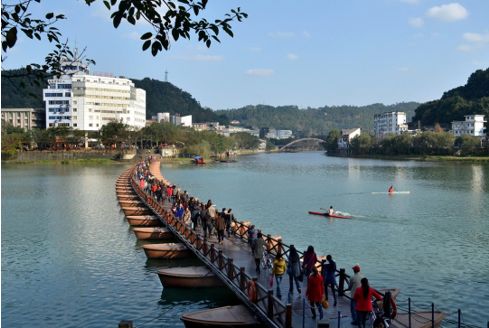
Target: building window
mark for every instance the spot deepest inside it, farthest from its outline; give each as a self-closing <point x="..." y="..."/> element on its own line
<point x="53" y="94"/>
<point x="90" y="124"/>
<point x="75" y="125"/>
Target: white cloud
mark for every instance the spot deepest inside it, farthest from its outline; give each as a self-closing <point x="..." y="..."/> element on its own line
<point x="292" y="56"/>
<point x="306" y="35"/>
<point x="206" y="58"/>
<point x="416" y="22"/>
<point x="465" y="48"/>
<point x="255" y="49"/>
<point x="476" y="37"/>
<point x="411" y="2"/>
<point x="134" y="36"/>
<point x="473" y="41"/>
<point x="198" y="58"/>
<point x="403" y="69"/>
<point x="449" y="13"/>
<point x="281" y="35"/>
<point x="260" y="72"/>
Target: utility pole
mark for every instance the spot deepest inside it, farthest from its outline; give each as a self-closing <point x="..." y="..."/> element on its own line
<point x="166" y="75"/>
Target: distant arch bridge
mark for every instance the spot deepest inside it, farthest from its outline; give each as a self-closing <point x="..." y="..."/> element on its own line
<point x="307" y="141"/>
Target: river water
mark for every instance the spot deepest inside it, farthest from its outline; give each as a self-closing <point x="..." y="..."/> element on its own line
<point x="69" y="258"/>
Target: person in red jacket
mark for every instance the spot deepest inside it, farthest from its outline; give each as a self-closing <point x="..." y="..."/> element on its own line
<point x="315" y="292"/>
<point x="363" y="296"/>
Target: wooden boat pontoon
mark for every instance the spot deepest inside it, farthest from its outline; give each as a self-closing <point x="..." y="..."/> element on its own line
<point x="166" y="251"/>
<point x="152" y="233"/>
<point x="131" y="203"/>
<point x="418" y="320"/>
<point x="144" y="220"/>
<point x="233" y="316"/>
<point x="188" y="277"/>
<point x="136" y="210"/>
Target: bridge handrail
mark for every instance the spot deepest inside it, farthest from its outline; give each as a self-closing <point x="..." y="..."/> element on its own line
<point x="269" y="308"/>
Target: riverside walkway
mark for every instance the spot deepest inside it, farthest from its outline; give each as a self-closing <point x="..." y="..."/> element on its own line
<point x="233" y="263"/>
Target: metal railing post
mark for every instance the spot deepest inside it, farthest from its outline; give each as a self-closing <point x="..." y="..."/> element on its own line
<point x="341" y="287"/>
<point x="230" y="269"/>
<point x="242" y="282"/>
<point x="270" y="303"/>
<point x="432" y="315"/>
<point x="459" y="315"/>
<point x="409" y="312"/>
<point x="288" y="316"/>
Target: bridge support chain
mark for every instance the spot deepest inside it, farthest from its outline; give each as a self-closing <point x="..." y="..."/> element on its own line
<point x="242" y="279"/>
<point x="341" y="285"/>
<point x="270" y="304"/>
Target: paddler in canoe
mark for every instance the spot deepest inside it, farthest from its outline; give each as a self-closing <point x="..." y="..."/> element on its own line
<point x="331" y="210"/>
<point x="391" y="190"/>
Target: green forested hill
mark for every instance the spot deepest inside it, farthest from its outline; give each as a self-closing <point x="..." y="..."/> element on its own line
<point x="160" y="96"/>
<point x="20" y="91"/>
<point x="165" y="97"/>
<point x="472" y="98"/>
<point x="313" y="121"/>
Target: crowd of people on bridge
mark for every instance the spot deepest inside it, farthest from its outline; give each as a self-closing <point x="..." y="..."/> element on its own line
<point x="205" y="219"/>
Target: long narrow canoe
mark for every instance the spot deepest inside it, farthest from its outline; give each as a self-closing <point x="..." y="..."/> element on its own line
<point x="336" y="216"/>
<point x="405" y="192"/>
<point x="226" y="316"/>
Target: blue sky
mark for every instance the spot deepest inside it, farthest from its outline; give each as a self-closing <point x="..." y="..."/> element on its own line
<point x="288" y="52"/>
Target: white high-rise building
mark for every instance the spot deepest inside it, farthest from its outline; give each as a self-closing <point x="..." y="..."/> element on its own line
<point x="473" y="126"/>
<point x="389" y="122"/>
<point x="87" y="102"/>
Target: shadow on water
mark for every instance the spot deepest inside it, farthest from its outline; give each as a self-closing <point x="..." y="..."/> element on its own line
<point x="156" y="264"/>
<point x="211" y="296"/>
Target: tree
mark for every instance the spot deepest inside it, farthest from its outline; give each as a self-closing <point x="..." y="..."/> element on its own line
<point x="245" y="140"/>
<point x="114" y="133"/>
<point x="332" y="141"/>
<point x="468" y="145"/>
<point x="169" y="20"/>
<point x="362" y="144"/>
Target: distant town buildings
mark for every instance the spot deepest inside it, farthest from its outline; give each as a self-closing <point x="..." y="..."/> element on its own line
<point x="173" y="119"/>
<point x="24" y="118"/>
<point x="278" y="134"/>
<point x="472" y="126"/>
<point x="389" y="123"/>
<point x="87" y="102"/>
<point x="346" y="136"/>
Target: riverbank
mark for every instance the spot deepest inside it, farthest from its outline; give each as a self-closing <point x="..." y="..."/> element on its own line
<point x="427" y="158"/>
<point x="81" y="161"/>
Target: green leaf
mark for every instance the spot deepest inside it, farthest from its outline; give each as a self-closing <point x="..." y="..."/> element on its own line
<point x="107" y="4"/>
<point x="175" y="34"/>
<point x="49" y="15"/>
<point x="228" y="31"/>
<point x="11" y="37"/>
<point x="154" y="48"/>
<point x="146" y="44"/>
<point x="146" y="36"/>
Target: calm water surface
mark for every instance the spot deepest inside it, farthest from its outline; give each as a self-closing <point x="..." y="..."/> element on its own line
<point x="69" y="258"/>
<point x="432" y="243"/>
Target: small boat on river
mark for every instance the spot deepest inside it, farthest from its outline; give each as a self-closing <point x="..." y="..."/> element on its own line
<point x="234" y="316"/>
<point x="152" y="233"/>
<point x="166" y="251"/>
<point x="188" y="277"/>
<point x="405" y="192"/>
<point x="144" y="220"/>
<point x="335" y="215"/>
<point x="198" y="160"/>
<point x="418" y="320"/>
